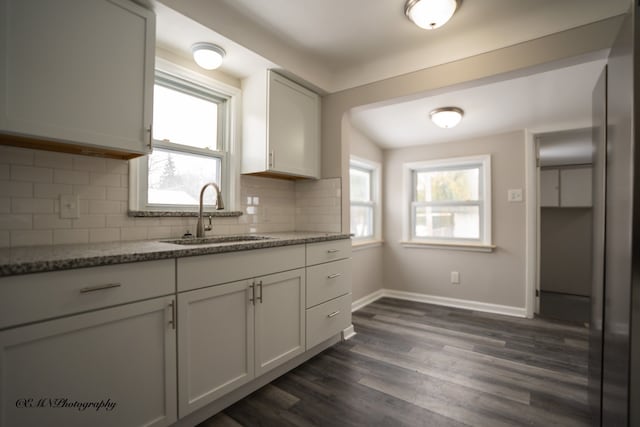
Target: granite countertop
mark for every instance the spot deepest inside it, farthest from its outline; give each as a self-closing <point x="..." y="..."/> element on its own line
<point x="37" y="259"/>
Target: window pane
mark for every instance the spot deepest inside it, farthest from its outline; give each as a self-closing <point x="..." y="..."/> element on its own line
<point x="449" y="222"/>
<point x="360" y="185"/>
<point x="176" y="178"/>
<point x="362" y="221"/>
<point x="448" y="185"/>
<point x="184" y="119"/>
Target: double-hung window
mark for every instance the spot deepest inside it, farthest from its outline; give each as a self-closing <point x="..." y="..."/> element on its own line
<point x="364" y="194"/>
<point x="191" y="147"/>
<point x="450" y="201"/>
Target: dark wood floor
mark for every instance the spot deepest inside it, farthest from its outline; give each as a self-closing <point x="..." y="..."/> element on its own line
<point x="414" y="364"/>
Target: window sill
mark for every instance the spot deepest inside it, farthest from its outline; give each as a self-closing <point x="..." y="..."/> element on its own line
<point x="450" y="246"/>
<point x="357" y="245"/>
<point x="191" y="214"/>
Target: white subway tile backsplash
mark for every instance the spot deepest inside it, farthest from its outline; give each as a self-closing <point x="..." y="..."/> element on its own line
<point x="51" y="191"/>
<point x="31" y="237"/>
<point x="5" y="205"/>
<point x="50" y="221"/>
<point x="104" y="207"/>
<point x="100" y="235"/>
<point x="5" y="172"/>
<point x="105" y="179"/>
<point x="50" y="159"/>
<point x="90" y="192"/>
<point x="31" y="206"/>
<point x="89" y="221"/>
<point x="72" y="236"/>
<point x="16" y="155"/>
<point x="16" y="189"/>
<point x="117" y="193"/>
<point x="31" y="182"/>
<point x="31" y="174"/>
<point x="16" y="222"/>
<point x="89" y="164"/>
<point x="133" y="233"/>
<point x="5" y="239"/>
<point x="64" y="176"/>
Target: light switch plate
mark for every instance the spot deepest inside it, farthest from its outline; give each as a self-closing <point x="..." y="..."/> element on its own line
<point x="515" y="195"/>
<point x="69" y="206"/>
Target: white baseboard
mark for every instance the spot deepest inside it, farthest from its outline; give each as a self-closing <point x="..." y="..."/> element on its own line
<point x="348" y="333"/>
<point x="366" y="300"/>
<point x="445" y="301"/>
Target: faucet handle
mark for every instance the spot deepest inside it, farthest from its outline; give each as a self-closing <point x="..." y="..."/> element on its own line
<point x="209" y="226"/>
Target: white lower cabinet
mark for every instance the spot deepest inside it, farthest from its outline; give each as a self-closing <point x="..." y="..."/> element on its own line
<point x="215" y="343"/>
<point x="228" y="334"/>
<point x="109" y="367"/>
<point x="279" y="318"/>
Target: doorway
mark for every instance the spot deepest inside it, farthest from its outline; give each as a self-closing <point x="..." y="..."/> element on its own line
<point x="565" y="224"/>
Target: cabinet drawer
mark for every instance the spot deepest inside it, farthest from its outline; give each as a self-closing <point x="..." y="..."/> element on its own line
<point x="318" y="253"/>
<point x="328" y="281"/>
<point x="328" y="319"/>
<point x="33" y="297"/>
<point x="201" y="271"/>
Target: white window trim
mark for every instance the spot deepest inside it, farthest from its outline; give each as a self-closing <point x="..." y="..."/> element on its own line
<point x="408" y="240"/>
<point x="231" y="190"/>
<point x="376" y="194"/>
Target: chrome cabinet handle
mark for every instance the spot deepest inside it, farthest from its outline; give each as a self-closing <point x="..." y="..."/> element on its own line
<point x="333" y="251"/>
<point x="99" y="287"/>
<point x="172" y="322"/>
<point x="260" y="297"/>
<point x="253" y="293"/>
<point x="333" y="276"/>
<point x="150" y="143"/>
<point x="334" y="314"/>
<point x="271" y="159"/>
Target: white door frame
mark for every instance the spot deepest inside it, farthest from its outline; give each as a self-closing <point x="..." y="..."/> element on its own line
<point x="532" y="229"/>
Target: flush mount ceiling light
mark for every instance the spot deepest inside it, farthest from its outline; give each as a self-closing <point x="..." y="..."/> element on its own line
<point x="430" y="14"/>
<point x="208" y="55"/>
<point x="446" y="117"/>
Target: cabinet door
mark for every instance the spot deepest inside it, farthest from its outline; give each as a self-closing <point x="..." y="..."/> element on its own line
<point x="77" y="71"/>
<point x="215" y="342"/>
<point x="294" y="142"/>
<point x="549" y="188"/>
<point x="121" y="359"/>
<point x="279" y="318"/>
<point x="575" y="187"/>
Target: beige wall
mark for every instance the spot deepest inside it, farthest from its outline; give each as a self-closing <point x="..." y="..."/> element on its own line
<point x="367" y="263"/>
<point x="519" y="59"/>
<point x="495" y="278"/>
<point x="565" y="250"/>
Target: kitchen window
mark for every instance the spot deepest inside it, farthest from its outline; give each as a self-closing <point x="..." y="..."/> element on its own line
<point x="449" y="201"/>
<point x="364" y="189"/>
<point x="192" y="138"/>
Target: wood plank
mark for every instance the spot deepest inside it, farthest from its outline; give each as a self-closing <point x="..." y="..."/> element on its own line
<point x="416" y="364"/>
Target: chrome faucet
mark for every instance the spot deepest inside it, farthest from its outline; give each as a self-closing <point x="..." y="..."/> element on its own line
<point x="219" y="206"/>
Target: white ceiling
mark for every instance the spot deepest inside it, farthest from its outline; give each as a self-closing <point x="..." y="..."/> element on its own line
<point x="549" y="101"/>
<point x="333" y="45"/>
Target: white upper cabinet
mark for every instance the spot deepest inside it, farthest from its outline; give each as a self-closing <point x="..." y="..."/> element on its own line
<point x="567" y="187"/>
<point x="281" y="127"/>
<point x="78" y="73"/>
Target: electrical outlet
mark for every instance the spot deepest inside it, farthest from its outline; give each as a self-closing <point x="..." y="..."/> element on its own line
<point x="69" y="206"/>
<point x="455" y="278"/>
<point x="515" y="195"/>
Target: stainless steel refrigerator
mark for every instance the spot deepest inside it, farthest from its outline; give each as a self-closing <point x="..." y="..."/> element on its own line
<point x="614" y="360"/>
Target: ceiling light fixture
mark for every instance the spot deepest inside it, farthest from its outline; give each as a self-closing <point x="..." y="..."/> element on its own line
<point x="208" y="55"/>
<point x="446" y="117"/>
<point x="430" y="14"/>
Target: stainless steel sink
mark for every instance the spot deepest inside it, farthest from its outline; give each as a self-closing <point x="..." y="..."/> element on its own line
<point x="216" y="239"/>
